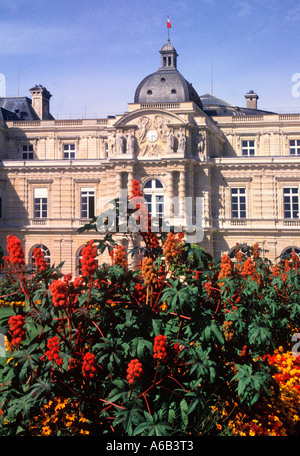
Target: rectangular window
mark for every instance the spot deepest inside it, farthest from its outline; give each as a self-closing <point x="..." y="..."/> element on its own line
<point x="295" y="147"/>
<point x="248" y="148"/>
<point x="291" y="203"/>
<point x="40" y="203"/>
<point x="238" y="203"/>
<point x="69" y="151"/>
<point x="28" y="152"/>
<point x="87" y="203"/>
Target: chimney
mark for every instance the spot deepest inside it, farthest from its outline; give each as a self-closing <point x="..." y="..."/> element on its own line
<point x="251" y="98"/>
<point x="41" y="101"/>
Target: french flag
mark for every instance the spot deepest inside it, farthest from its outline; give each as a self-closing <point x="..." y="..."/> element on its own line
<point x="169" y="23"/>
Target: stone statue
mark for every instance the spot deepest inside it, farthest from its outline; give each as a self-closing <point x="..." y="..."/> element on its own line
<point x="112" y="144"/>
<point x="129" y="143"/>
<point x="181" y="141"/>
<point x="170" y="141"/>
<point x="200" y="143"/>
<point x="120" y="143"/>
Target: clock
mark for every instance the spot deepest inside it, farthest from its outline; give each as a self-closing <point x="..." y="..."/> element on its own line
<point x="152" y="135"/>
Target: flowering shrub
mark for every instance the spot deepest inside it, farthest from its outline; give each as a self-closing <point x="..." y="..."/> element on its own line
<point x="160" y="348"/>
<point x="183" y="345"/>
<point x="88" y="259"/>
<point x="16" y="253"/>
<point x="89" y="366"/>
<point x="39" y="259"/>
<point x="59" y="292"/>
<point x="134" y="371"/>
<point x="18" y="332"/>
<point x="53" y="352"/>
<point x="118" y="255"/>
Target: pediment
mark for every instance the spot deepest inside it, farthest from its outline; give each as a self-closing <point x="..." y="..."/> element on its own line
<point x="157" y="117"/>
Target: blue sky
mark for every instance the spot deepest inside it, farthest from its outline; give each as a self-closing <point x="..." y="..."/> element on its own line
<point x="92" y="54"/>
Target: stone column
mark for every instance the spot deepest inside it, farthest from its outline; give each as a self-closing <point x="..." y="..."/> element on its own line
<point x="130" y="178"/>
<point x="118" y="183"/>
<point x="169" y="208"/>
<point x="181" y="191"/>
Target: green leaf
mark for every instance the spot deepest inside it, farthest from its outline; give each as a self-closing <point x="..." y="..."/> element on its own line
<point x="184" y="408"/>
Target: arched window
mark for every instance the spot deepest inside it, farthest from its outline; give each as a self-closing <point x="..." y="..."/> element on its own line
<point x="244" y="248"/>
<point x="154" y="196"/>
<point x="288" y="250"/>
<point x="45" y="251"/>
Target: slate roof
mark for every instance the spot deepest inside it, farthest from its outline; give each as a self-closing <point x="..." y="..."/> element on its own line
<point x="17" y="108"/>
<point x="214" y="106"/>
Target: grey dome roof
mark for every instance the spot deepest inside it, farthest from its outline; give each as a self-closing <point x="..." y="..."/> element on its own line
<point x="167" y="84"/>
<point x="168" y="47"/>
<point x="209" y="100"/>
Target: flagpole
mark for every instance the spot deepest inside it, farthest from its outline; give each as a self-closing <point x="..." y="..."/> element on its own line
<point x="168" y="27"/>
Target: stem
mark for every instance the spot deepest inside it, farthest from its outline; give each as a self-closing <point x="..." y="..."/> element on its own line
<point x="147" y="404"/>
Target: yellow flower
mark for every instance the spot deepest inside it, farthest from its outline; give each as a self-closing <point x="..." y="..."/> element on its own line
<point x="46" y="430"/>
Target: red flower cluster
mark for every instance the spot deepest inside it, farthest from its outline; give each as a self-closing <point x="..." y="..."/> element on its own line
<point x="118" y="256"/>
<point x="172" y="246"/>
<point x="53" y="352"/>
<point x="16" y="325"/>
<point x="136" y="190"/>
<point x="89" y="365"/>
<point x="160" y="348"/>
<point x="89" y="263"/>
<point x="14" y="248"/>
<point x="249" y="268"/>
<point x="256" y="251"/>
<point x="140" y="293"/>
<point x="134" y="371"/>
<point x="226" y="268"/>
<point x="59" y="292"/>
<point x="39" y="259"/>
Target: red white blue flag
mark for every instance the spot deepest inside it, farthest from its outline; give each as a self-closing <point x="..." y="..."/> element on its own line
<point x="169" y="23"/>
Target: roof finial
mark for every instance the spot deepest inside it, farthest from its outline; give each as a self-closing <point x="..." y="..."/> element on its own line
<point x="168" y="27"/>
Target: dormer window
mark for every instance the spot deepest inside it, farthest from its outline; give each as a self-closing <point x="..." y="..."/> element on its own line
<point x="149" y="92"/>
<point x="173" y="91"/>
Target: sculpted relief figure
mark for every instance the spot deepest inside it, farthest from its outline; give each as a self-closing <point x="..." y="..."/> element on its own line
<point x="129" y="143"/>
<point x="143" y="124"/>
<point x="181" y="141"/>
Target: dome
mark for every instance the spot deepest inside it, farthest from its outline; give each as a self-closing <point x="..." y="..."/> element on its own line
<point x="167" y="84"/>
<point x="168" y="47"/>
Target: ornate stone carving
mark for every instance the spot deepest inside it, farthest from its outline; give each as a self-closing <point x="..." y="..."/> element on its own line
<point x="181" y="141"/>
<point x="120" y="142"/>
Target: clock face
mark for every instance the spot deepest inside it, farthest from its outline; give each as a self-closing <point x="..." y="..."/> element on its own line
<point x="152" y="135"/>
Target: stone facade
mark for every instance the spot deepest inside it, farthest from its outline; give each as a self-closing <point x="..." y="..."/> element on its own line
<point x="56" y="174"/>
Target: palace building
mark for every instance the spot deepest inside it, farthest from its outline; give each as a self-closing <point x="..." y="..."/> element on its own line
<point x="242" y="161"/>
